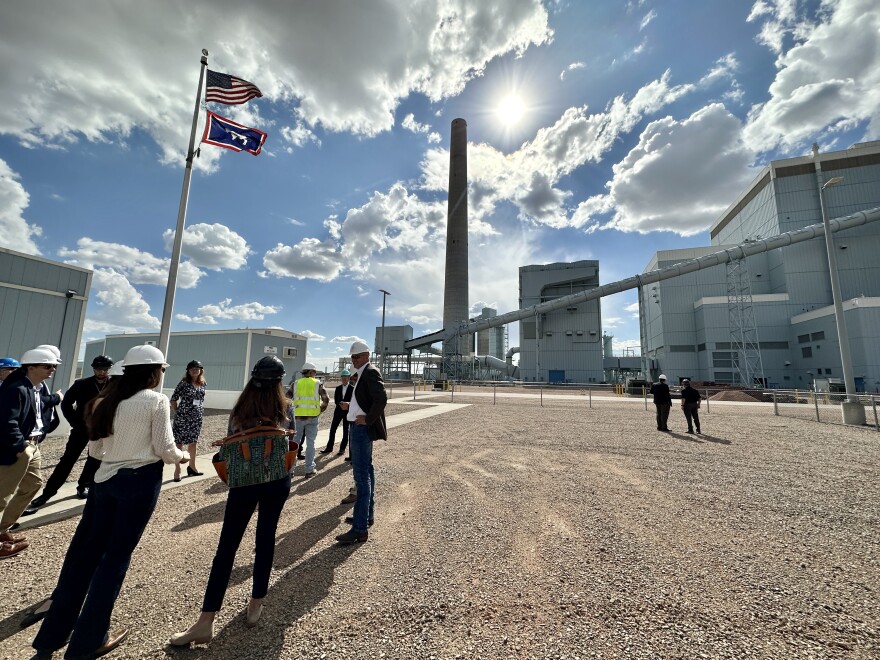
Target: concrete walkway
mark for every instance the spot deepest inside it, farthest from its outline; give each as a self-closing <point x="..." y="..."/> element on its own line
<point x="66" y="504"/>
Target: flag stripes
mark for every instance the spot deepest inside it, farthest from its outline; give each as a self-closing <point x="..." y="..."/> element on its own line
<point x="223" y="88"/>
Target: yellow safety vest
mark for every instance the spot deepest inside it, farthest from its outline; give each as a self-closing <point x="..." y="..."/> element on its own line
<point x="306" y="399"/>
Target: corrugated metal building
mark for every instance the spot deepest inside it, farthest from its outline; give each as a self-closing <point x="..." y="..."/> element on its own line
<point x="493" y="341"/>
<point x="564" y="345"/>
<point x="686" y="320"/>
<point x="227" y="355"/>
<point x="42" y="302"/>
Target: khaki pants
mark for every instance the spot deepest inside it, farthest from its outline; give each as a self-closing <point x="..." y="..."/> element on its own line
<point x="19" y="484"/>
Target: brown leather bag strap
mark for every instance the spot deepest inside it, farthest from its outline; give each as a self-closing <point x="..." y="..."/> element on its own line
<point x="253" y="432"/>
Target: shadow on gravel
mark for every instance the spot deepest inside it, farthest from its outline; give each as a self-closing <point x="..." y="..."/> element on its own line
<point x="10" y="625"/>
<point x="321" y="479"/>
<point x="288" y="600"/>
<point x="209" y="514"/>
<point x="712" y="438"/>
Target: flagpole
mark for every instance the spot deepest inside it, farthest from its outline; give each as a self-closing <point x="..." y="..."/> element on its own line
<point x="170" y="290"/>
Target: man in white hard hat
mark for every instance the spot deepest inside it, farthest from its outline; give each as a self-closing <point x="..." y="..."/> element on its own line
<point x="27" y="415"/>
<point x="309" y="401"/>
<point x="366" y="416"/>
<point x="662" y="402"/>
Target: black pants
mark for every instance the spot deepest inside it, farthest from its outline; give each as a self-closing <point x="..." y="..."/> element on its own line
<point x="662" y="415"/>
<point x="339" y="416"/>
<point x="692" y="415"/>
<point x="240" y="506"/>
<point x="75" y="445"/>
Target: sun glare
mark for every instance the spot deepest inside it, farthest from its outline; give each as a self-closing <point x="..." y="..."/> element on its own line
<point x="510" y="110"/>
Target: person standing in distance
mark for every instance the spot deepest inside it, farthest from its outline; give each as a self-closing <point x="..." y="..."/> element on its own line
<point x="309" y="401"/>
<point x="663" y="403"/>
<point x="341" y="397"/>
<point x="690" y="405"/>
<point x="366" y="416"/>
<point x="73" y="407"/>
<point x="188" y="406"/>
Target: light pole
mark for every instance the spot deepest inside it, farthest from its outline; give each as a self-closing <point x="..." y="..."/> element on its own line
<point x="853" y="411"/>
<point x="382" y="334"/>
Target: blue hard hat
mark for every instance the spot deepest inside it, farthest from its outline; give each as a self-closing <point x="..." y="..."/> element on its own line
<point x="9" y="363"/>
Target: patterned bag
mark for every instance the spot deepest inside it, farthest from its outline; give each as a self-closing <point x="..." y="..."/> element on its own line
<point x="256" y="455"/>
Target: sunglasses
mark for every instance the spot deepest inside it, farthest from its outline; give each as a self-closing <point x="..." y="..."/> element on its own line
<point x="47" y="366"/>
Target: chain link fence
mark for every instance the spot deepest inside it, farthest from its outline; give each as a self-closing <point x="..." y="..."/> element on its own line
<point x="823" y="407"/>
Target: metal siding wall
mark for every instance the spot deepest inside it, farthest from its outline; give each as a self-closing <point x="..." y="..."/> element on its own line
<point x="258" y="343"/>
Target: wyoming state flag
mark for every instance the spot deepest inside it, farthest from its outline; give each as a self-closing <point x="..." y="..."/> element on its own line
<point x="223" y="132"/>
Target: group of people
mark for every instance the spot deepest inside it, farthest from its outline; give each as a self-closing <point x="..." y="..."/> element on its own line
<point x="690" y="404"/>
<point x="127" y="427"/>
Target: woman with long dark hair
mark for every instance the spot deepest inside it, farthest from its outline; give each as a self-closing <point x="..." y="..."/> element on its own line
<point x="130" y="433"/>
<point x="261" y="404"/>
<point x="188" y="406"/>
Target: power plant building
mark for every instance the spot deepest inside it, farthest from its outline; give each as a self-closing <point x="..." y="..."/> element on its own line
<point x="771" y="315"/>
<point x="227" y="355"/>
<point x="565" y="345"/>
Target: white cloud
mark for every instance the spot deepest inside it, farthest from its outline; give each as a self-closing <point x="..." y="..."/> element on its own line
<point x="208" y="314"/>
<point x="650" y="16"/>
<point x="828" y="80"/>
<point x="15" y="232"/>
<point x="680" y="177"/>
<point x="116" y="306"/>
<point x="313" y="336"/>
<point x="380" y="53"/>
<point x="298" y="136"/>
<point x="574" y="66"/>
<point x="409" y="123"/>
<point x="347" y="339"/>
<point x="212" y="246"/>
<point x="136" y="265"/>
<point x="310" y="258"/>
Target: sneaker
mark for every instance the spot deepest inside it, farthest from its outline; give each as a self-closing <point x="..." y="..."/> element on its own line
<point x="12" y="549"/>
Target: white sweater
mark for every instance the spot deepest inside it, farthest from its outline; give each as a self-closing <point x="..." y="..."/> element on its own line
<point x="141" y="436"/>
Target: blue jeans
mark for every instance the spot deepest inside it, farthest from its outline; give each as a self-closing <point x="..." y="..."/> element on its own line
<point x="307" y="429"/>
<point x="115" y="515"/>
<point x="361" y="448"/>
<point x="240" y="507"/>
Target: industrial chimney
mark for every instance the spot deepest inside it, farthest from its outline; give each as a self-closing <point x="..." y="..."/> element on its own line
<point x="455" y="294"/>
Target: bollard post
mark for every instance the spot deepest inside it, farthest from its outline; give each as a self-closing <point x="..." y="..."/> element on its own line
<point x="414" y="389"/>
<point x="874" y="404"/>
<point x="707" y="400"/>
<point x="775" y="404"/>
<point x="816" y="403"/>
<point x="391" y="389"/>
<point x="542" y="396"/>
<point x="451" y="391"/>
<point x="645" y="396"/>
<point x="494" y="390"/>
<point x="590" y="390"/>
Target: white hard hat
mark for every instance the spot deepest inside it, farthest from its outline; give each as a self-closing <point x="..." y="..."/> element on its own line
<point x="39" y="356"/>
<point x="359" y="347"/>
<point x="52" y="349"/>
<point x="662" y="377"/>
<point x="116" y="369"/>
<point x="308" y="366"/>
<point x="144" y="354"/>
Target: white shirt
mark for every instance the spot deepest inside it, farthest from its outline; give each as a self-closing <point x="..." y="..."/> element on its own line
<point x="353" y="408"/>
<point x="38" y="409"/>
<point x="141" y="436"/>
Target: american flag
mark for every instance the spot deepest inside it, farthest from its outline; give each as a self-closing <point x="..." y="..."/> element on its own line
<point x="223" y="88"/>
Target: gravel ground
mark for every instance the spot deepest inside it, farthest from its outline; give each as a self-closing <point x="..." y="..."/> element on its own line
<point x="526" y="532"/>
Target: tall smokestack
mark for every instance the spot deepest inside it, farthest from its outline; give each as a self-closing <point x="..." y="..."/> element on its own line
<point x="455" y="295"/>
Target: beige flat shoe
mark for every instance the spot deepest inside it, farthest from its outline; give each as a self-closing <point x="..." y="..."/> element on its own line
<point x="195" y="635"/>
<point x="253" y="615"/>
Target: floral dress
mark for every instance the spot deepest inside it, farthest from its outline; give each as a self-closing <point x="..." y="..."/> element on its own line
<point x="190" y="409"/>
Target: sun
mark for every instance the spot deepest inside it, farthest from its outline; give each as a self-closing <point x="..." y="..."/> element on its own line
<point x="510" y="110"/>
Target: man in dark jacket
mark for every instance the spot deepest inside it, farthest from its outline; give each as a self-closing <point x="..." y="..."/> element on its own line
<point x="663" y="403"/>
<point x="341" y="397"/>
<point x="690" y="405"/>
<point x="366" y="416"/>
<point x="27" y="415"/>
<point x="80" y="394"/>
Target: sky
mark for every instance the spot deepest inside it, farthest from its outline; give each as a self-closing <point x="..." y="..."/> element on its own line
<point x="605" y="130"/>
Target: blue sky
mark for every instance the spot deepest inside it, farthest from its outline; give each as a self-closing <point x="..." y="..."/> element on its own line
<point x="640" y="122"/>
